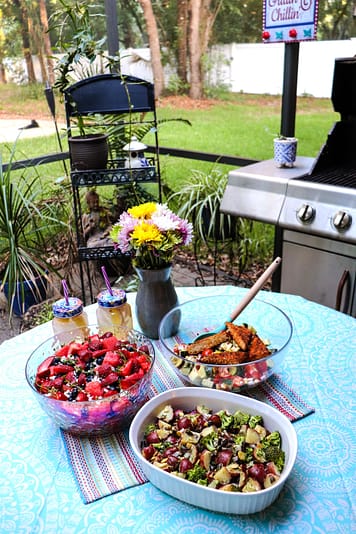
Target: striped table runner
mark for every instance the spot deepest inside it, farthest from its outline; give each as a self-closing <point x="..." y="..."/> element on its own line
<point x="105" y="465"/>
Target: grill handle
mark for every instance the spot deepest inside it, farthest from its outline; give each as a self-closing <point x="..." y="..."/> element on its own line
<point x="344" y="281"/>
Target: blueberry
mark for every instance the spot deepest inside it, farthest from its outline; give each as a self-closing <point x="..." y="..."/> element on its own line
<point x="73" y="394"/>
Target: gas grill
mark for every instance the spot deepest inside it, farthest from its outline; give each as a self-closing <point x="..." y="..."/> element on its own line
<point x="312" y="205"/>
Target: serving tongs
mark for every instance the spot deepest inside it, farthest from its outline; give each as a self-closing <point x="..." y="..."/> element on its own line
<point x="252" y="292"/>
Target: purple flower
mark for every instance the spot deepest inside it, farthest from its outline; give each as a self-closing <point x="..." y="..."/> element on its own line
<point x="186" y="230"/>
<point x="171" y="231"/>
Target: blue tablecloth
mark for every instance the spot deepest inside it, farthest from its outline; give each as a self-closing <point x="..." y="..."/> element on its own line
<point x="38" y="493"/>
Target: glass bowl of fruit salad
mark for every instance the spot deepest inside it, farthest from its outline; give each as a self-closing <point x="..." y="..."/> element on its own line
<point x="94" y="384"/>
<point x="236" y="355"/>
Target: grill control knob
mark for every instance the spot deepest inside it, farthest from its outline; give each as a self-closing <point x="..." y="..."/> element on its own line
<point x="342" y="220"/>
<point x="306" y="213"/>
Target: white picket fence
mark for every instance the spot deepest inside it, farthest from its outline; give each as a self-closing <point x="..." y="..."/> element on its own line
<point x="259" y="68"/>
<point x="254" y="68"/>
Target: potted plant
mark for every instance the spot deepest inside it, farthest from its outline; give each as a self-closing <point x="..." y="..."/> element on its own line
<point x="83" y="54"/>
<point x="26" y="223"/>
<point x="83" y="57"/>
<point x="88" y="151"/>
<point x="199" y="200"/>
<point x="285" y="151"/>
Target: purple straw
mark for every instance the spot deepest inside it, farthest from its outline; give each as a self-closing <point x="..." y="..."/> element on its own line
<point x="65" y="291"/>
<point x="107" y="281"/>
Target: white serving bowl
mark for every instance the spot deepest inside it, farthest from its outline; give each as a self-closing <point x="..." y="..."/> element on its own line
<point x="187" y="398"/>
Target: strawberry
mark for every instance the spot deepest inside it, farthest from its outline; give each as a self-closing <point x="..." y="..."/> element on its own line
<point x="128" y="381"/>
<point x="62" y="351"/>
<point x="127" y="369"/>
<point x="82" y="380"/>
<point x="70" y="376"/>
<point x="44" y="385"/>
<point x="95" y="344"/>
<point x="84" y="354"/>
<point x="98" y="353"/>
<point x="74" y="348"/>
<point x="58" y="382"/>
<point x="94" y="337"/>
<point x="110" y="379"/>
<point x="58" y="395"/>
<point x="98" y="368"/>
<point x="60" y="369"/>
<point x="94" y="389"/>
<point x="104" y="369"/>
<point x="113" y="358"/>
<point x="43" y="369"/>
<point x="110" y="343"/>
<point x="81" y="397"/>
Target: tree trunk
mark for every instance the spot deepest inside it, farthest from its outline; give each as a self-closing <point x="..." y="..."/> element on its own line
<point x="182" y="41"/>
<point x="153" y="38"/>
<point x="202" y="19"/>
<point x="24" y="25"/>
<point x="196" y="87"/>
<point x="42" y="64"/>
<point x="2" y="51"/>
<point x="2" y="73"/>
<point x="46" y="41"/>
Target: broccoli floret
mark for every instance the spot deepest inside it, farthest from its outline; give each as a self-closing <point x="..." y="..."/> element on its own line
<point x="249" y="454"/>
<point x="272" y="439"/>
<point x="260" y="454"/>
<point x="225" y="418"/>
<point x="276" y="455"/>
<point x="239" y="439"/>
<point x="210" y="441"/>
<point x="255" y="420"/>
<point x="197" y="474"/>
<point x="240" y="418"/>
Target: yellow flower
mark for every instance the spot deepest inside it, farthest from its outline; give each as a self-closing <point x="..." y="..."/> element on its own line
<point x="144" y="233"/>
<point x="143" y="211"/>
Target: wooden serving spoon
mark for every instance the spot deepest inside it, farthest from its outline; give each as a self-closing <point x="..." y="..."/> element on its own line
<point x="247" y="298"/>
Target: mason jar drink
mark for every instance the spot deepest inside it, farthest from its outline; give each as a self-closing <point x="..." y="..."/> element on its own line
<point x="113" y="312"/>
<point x="69" y="315"/>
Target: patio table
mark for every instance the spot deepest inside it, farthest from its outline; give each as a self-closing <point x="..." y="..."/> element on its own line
<point x="39" y="494"/>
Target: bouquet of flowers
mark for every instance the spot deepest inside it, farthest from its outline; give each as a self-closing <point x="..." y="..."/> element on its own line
<point x="151" y="233"/>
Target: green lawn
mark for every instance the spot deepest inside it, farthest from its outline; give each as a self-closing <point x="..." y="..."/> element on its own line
<point x="241" y="125"/>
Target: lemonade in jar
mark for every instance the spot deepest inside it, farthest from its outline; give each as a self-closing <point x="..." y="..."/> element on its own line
<point x="68" y="316"/>
<point x="113" y="312"/>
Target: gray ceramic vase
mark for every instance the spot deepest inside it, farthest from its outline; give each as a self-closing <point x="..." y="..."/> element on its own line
<point x="155" y="297"/>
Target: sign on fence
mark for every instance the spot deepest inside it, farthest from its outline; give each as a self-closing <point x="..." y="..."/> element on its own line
<point x="286" y="21"/>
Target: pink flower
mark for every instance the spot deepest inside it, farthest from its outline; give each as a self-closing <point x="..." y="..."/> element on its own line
<point x="152" y="233"/>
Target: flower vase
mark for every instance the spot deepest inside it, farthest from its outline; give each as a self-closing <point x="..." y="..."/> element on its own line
<point x="155" y="297"/>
